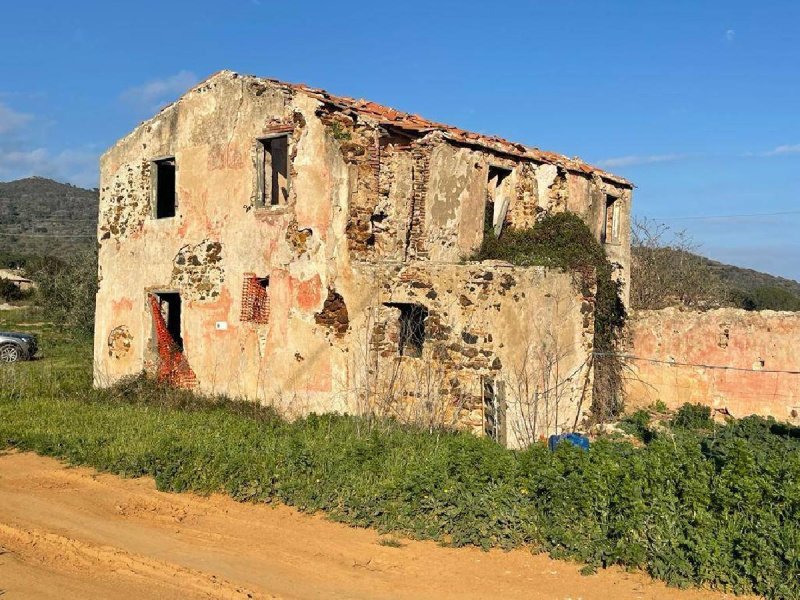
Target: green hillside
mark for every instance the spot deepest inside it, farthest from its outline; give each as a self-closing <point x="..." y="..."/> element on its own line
<point x="42" y="217"/>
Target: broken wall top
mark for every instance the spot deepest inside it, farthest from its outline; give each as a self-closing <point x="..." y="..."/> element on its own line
<point x="417" y="126"/>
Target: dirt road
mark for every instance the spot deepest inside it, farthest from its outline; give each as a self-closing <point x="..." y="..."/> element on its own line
<point x="72" y="533"/>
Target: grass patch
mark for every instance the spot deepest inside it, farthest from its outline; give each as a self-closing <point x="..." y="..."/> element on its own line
<point x="698" y="504"/>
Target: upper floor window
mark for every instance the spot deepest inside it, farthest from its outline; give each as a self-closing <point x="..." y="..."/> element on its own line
<point x="164" y="201"/>
<point x="497" y="199"/>
<point x="610" y="233"/>
<point x="273" y="171"/>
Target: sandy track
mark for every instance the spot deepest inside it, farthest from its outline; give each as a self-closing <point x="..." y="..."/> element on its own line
<point x="72" y="533"/>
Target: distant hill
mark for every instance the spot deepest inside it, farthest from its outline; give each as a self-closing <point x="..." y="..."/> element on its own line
<point x="42" y="217"/>
<point x="750" y="280"/>
<point x="668" y="276"/>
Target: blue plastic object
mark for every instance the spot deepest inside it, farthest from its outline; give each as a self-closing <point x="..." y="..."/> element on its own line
<point x="576" y="439"/>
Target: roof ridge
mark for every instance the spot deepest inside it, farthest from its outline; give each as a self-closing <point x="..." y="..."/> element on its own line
<point x="392" y="117"/>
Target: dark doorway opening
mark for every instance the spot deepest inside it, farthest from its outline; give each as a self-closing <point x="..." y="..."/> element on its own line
<point x="170" y="304"/>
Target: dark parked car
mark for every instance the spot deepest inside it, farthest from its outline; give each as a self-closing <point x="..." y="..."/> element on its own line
<point x="17" y="346"/>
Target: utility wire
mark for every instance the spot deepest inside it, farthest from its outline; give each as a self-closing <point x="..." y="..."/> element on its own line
<point x="686" y="364"/>
<point x="34" y="221"/>
<point x="49" y="235"/>
<point x="751" y="215"/>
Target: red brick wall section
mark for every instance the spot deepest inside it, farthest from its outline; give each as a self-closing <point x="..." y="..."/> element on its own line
<point x="737" y="361"/>
<point x="173" y="368"/>
<point x="255" y="301"/>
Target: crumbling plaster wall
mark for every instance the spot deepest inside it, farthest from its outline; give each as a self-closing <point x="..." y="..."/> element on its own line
<point x="485" y="321"/>
<point x="218" y="236"/>
<point x="454" y="206"/>
<point x="755" y="345"/>
<point x="370" y="219"/>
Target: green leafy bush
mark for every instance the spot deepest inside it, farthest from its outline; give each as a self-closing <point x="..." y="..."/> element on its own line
<point x="693" y="416"/>
<point x="637" y="424"/>
<point x="717" y="507"/>
<point x="767" y="297"/>
<point x="10" y="292"/>
<point x="67" y="289"/>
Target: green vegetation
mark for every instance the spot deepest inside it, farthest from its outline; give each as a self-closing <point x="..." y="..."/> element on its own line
<point x="563" y="241"/>
<point x="42" y="217"/>
<point x="67" y="289"/>
<point x="769" y="297"/>
<point x="667" y="271"/>
<point x="10" y="292"/>
<point x="697" y="504"/>
<point x="49" y="229"/>
<point x="390" y="542"/>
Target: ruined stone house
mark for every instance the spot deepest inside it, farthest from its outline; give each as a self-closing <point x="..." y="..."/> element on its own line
<point x="275" y="242"/>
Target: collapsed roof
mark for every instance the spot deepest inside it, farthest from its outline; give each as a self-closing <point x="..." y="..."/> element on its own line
<point x="417" y="125"/>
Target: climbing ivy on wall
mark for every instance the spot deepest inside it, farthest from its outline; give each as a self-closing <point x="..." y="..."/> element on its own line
<point x="564" y="241"/>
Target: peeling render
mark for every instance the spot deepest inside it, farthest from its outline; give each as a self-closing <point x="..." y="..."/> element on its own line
<point x="119" y="342"/>
<point x="350" y="292"/>
<point x="678" y="349"/>
<point x="197" y="270"/>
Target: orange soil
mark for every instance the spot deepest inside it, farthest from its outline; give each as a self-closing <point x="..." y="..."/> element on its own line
<point x="73" y="533"/>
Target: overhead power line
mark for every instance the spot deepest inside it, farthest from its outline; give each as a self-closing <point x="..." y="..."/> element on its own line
<point x="733" y="216"/>
<point x="34" y="220"/>
<point x="50" y="235"/>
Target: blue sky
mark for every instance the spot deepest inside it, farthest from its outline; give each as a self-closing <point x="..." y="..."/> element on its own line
<point x="697" y="102"/>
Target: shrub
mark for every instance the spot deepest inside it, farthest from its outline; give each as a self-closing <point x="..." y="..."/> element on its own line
<point x="637" y="424"/>
<point x="705" y="507"/>
<point x="67" y="289"/>
<point x="693" y="416"/>
<point x="10" y="292"/>
<point x="767" y="297"/>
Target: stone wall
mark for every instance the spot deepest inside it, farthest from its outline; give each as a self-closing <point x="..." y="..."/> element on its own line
<point x="726" y="358"/>
<point x="525" y="332"/>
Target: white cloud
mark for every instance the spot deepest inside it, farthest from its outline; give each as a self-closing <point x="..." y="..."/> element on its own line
<point x="154" y="94"/>
<point x="632" y="160"/>
<point x="730" y="35"/>
<point x="75" y="165"/>
<point x="11" y="120"/>
<point x="783" y="149"/>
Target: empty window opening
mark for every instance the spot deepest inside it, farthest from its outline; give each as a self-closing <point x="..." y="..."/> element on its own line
<point x="494" y="410"/>
<point x="273" y="171"/>
<point x="170" y="305"/>
<point x="255" y="299"/>
<point x="164" y="186"/>
<point x="610" y="233"/>
<point x="411" y="328"/>
<point x="497" y="199"/>
<point x="376" y="226"/>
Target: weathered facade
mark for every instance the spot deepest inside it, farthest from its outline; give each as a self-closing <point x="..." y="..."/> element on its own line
<point x="730" y="359"/>
<point x="309" y="251"/>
